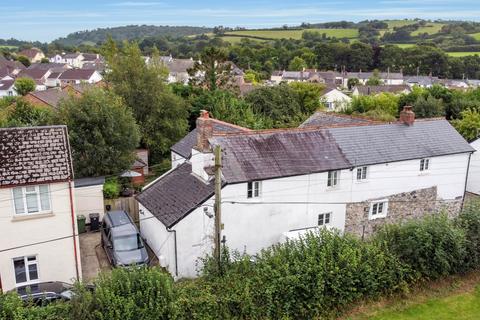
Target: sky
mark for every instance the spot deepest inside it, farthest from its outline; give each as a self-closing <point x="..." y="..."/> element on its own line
<point x="46" y="20"/>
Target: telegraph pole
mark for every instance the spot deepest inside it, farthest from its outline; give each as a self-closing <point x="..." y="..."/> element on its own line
<point x="218" y="206"/>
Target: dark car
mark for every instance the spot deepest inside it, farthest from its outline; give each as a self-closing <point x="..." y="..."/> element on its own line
<point x="45" y="292"/>
<point x="121" y="240"/>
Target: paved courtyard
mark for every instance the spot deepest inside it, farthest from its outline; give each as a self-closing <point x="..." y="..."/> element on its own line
<point x="93" y="256"/>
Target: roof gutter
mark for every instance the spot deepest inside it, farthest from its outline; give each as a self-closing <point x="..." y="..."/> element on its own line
<point x="466" y="181"/>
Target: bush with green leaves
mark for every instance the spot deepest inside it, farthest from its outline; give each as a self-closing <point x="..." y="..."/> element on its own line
<point x="13" y="308"/>
<point x="111" y="188"/>
<point x="469" y="221"/>
<point x="432" y="247"/>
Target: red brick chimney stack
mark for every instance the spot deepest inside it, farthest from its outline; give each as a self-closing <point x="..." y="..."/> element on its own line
<point x="204" y="131"/>
<point x="407" y="116"/>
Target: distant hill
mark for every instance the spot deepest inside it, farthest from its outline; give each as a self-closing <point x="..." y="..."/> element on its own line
<point x="131" y="32"/>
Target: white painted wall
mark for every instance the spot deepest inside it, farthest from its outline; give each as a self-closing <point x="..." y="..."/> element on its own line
<point x="293" y="203"/>
<point x="8" y="92"/>
<point x="336" y="100"/>
<point x="56" y="259"/>
<point x="89" y="200"/>
<point x="473" y="184"/>
<point x="176" y="159"/>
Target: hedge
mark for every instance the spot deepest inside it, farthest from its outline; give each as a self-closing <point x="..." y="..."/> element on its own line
<point x="315" y="277"/>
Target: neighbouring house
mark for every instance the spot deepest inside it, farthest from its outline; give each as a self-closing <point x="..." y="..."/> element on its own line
<point x="473" y="185"/>
<point x="178" y="69"/>
<point x="327" y="119"/>
<point x="140" y="165"/>
<point x="7" y="88"/>
<point x="421" y="81"/>
<point x="50" y="97"/>
<point x="387" y="78"/>
<point x="289" y="76"/>
<point x="374" y="90"/>
<point x="277" y="184"/>
<point x="38" y="232"/>
<point x="9" y="68"/>
<point x="33" y="54"/>
<point x="335" y="100"/>
<point x="77" y="76"/>
<point x="73" y="59"/>
<point x="40" y="77"/>
<point x="89" y="196"/>
<point x="455" y="84"/>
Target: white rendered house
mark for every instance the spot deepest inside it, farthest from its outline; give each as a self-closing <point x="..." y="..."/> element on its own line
<point x="38" y="238"/>
<point x="276" y="183"/>
<point x="335" y="100"/>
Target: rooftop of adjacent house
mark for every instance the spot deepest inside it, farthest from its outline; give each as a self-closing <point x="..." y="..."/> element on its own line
<point x="88" y="182"/>
<point x="381" y="75"/>
<point x="30" y="53"/>
<point x="184" y="146"/>
<point x="90" y="56"/>
<point x="71" y="55"/>
<point x="326" y="119"/>
<point x="178" y="65"/>
<point x="35" y="74"/>
<point x="52" y="96"/>
<point x="367" y="90"/>
<point x="175" y="195"/>
<point x="33" y="155"/>
<point x="77" y="74"/>
<point x="6" y="84"/>
<point x="54" y="67"/>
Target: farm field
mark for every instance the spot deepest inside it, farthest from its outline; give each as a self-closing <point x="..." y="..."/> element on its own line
<point x="462" y="54"/>
<point x="8" y="47"/>
<point x="475" y="35"/>
<point x="405" y="45"/>
<point x="430" y="28"/>
<point x="296" y="34"/>
<point x="235" y="40"/>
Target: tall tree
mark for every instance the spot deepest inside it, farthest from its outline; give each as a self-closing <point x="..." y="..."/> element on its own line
<point x="24" y="86"/>
<point x="103" y="133"/>
<point x="161" y="115"/>
<point x="212" y="71"/>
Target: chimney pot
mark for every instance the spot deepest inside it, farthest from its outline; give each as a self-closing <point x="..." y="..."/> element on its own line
<point x="407" y="116"/>
<point x="204" y="131"/>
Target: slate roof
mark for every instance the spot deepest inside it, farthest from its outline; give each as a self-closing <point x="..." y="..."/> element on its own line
<point x="367" y="90"/>
<point x="178" y="65"/>
<point x="367" y="145"/>
<point x="77" y="74"/>
<point x="54" y="67"/>
<point x="184" y="146"/>
<point x="34" y="155"/>
<point x="30" y="53"/>
<point x="323" y="119"/>
<point x="175" y="195"/>
<point x="35" y="74"/>
<point x="88" y="182"/>
<point x="6" y="84"/>
<point x="50" y="96"/>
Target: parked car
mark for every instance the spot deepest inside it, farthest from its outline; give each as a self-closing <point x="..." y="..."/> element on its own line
<point x="45" y="292"/>
<point x="121" y="240"/>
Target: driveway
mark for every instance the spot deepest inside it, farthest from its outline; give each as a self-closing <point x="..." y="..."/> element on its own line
<point x="93" y="256"/>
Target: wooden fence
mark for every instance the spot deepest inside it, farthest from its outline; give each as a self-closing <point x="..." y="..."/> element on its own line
<point x="128" y="204"/>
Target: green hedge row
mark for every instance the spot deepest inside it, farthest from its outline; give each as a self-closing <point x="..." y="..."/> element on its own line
<point x="316" y="277"/>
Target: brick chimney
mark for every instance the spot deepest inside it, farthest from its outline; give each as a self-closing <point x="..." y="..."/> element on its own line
<point x="204" y="131"/>
<point x="407" y="116"/>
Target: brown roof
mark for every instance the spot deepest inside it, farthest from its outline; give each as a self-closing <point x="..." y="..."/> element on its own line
<point x="50" y="97"/>
<point x="35" y="74"/>
<point x="34" y="155"/>
<point x="325" y="119"/>
<point x="77" y="74"/>
<point x="30" y="53"/>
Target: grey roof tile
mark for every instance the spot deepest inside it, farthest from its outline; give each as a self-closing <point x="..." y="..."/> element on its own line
<point x="322" y="119"/>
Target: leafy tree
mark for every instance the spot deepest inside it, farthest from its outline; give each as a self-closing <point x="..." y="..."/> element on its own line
<point x="161" y="115"/>
<point x="374" y="80"/>
<point x="44" y="60"/>
<point x="252" y="77"/>
<point x="352" y="82"/>
<point x="24" y="85"/>
<point x="297" y="64"/>
<point x="23" y="114"/>
<point x="469" y="125"/>
<point x="216" y="72"/>
<point x="309" y="95"/>
<point x="24" y="60"/>
<point x="103" y="133"/>
<point x="385" y="102"/>
<point x="428" y="107"/>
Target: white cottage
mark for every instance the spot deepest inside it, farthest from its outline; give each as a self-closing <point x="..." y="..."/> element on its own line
<point x="279" y="183"/>
<point x="38" y="238"/>
<point x="335" y="100"/>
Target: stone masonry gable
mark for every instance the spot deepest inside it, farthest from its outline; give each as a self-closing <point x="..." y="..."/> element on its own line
<point x="34" y="155"/>
<point x="401" y="207"/>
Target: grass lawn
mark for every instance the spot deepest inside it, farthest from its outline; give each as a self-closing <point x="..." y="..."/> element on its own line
<point x="235" y="40"/>
<point x="457" y="298"/>
<point x="462" y="54"/>
<point x="296" y="34"/>
<point x="475" y="35"/>
<point x="398" y="23"/>
<point x="405" y="45"/>
<point x="9" y="47"/>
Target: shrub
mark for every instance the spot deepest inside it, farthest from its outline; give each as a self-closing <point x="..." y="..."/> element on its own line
<point x="111" y="189"/>
<point x="12" y="308"/>
<point x="431" y="247"/>
<point x="469" y="221"/>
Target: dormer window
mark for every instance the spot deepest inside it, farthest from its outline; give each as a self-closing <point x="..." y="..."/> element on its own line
<point x="253" y="189"/>
<point x="424" y="164"/>
<point x="31" y="199"/>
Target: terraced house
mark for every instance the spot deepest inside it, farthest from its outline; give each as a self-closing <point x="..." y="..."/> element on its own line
<point x="38" y="242"/>
<point x="353" y="176"/>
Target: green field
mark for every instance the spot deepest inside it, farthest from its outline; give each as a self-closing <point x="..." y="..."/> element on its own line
<point x="235" y="40"/>
<point x="462" y="54"/>
<point x="9" y="47"/>
<point x="475" y="35"/>
<point x="405" y="45"/>
<point x="430" y="28"/>
<point x="296" y="34"/>
<point x="398" y="23"/>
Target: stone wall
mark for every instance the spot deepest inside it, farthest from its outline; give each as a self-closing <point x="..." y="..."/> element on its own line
<point x="401" y="207"/>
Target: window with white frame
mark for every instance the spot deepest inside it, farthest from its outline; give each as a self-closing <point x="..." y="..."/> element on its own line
<point x="424" y="164"/>
<point x="333" y="178"/>
<point x="31" y="199"/>
<point x="253" y="189"/>
<point x="324" y="219"/>
<point x="362" y="173"/>
<point x="378" y="209"/>
<point x="26" y="269"/>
